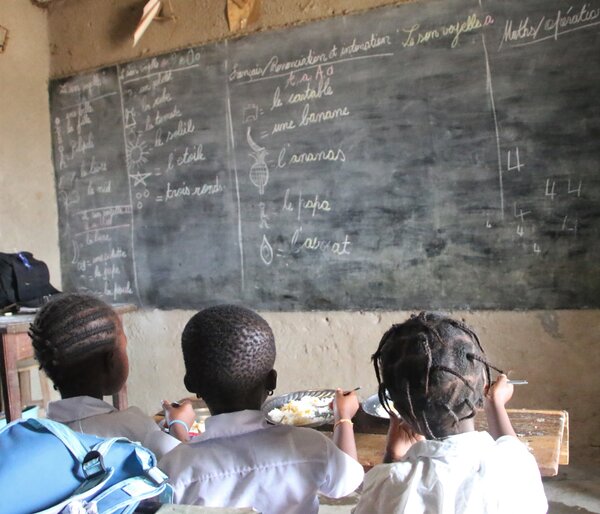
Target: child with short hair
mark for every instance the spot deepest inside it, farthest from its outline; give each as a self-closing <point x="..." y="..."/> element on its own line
<point x="79" y="342"/>
<point x="241" y="460"/>
<point x="435" y="372"/>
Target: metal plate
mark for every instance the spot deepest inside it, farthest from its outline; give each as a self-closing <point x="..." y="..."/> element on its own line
<point x="280" y="401"/>
<point x="373" y="407"/>
<point x="202" y="414"/>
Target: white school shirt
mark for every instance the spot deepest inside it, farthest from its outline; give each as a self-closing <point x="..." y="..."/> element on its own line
<point x="242" y="461"/>
<point x="93" y="416"/>
<point x="468" y="473"/>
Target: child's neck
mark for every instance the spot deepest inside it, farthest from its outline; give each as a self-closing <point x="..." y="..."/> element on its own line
<point x="466" y="425"/>
<point x="72" y="392"/>
<point x="241" y="402"/>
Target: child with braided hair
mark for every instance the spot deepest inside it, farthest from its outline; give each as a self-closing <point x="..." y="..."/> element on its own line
<point x="434" y="370"/>
<point x="79" y="342"/>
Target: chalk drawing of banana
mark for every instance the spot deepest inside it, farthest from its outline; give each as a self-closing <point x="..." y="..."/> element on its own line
<point x="259" y="172"/>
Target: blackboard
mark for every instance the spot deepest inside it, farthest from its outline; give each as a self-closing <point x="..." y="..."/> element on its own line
<point x="429" y="155"/>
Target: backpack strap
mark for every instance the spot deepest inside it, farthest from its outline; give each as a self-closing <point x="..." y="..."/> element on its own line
<point x="63" y="433"/>
<point x="85" y="491"/>
<point x="120" y="498"/>
<point x="91" y="461"/>
<point x="129" y="493"/>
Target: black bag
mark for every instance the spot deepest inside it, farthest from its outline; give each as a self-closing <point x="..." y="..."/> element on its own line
<point x="24" y="281"/>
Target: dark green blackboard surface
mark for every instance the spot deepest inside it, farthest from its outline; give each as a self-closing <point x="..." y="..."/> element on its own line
<point x="431" y="155"/>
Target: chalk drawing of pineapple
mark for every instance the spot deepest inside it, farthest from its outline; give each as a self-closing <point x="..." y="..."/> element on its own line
<point x="259" y="172"/>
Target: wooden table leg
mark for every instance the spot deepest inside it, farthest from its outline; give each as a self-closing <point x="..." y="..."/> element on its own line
<point x="25" y="387"/>
<point x="10" y="378"/>
<point x="120" y="399"/>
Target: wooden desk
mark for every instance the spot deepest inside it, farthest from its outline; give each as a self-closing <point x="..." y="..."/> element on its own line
<point x="544" y="432"/>
<point x="15" y="346"/>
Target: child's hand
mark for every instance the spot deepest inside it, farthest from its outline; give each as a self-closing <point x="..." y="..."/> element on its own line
<point x="179" y="411"/>
<point x="500" y="392"/>
<point x="400" y="438"/>
<point x="496" y="398"/>
<point x="344" y="407"/>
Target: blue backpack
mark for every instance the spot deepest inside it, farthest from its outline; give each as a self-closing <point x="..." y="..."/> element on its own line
<point x="44" y="466"/>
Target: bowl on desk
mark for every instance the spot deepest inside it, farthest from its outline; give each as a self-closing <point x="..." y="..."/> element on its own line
<point x="309" y="408"/>
<point x="373" y="407"/>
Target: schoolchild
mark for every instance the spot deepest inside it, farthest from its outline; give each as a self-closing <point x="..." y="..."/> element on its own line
<point x="241" y="460"/>
<point x="79" y="342"/>
<point x="435" y="372"/>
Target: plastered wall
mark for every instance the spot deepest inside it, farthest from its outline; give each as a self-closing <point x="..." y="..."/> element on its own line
<point x="27" y="200"/>
<point x="556" y="351"/>
<point x="89" y="33"/>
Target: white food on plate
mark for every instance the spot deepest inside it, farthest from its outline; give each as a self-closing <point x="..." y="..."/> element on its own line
<point x="201" y="416"/>
<point x="306" y="410"/>
<point x="197" y="427"/>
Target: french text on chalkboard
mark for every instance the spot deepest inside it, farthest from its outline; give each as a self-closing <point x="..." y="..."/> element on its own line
<point x="429" y="155"/>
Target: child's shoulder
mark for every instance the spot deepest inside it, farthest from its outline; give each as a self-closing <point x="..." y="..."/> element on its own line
<point x="510" y="450"/>
<point x="134" y="418"/>
<point x="310" y="435"/>
<point x="136" y="411"/>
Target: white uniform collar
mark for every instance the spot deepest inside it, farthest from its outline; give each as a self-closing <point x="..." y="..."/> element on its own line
<point x="459" y="444"/>
<point x="232" y="424"/>
<point x="78" y="407"/>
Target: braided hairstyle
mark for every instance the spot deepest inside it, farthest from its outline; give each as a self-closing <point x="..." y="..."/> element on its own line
<point x="227" y="350"/>
<point x="435" y="372"/>
<point x="70" y="329"/>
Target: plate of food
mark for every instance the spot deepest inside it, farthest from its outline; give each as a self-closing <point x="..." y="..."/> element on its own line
<point x="310" y="408"/>
<point x="197" y="427"/>
<point x="201" y="414"/>
<point x="373" y="406"/>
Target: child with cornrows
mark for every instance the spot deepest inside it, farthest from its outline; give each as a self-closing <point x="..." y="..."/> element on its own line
<point x="434" y="370"/>
<point x="79" y="342"/>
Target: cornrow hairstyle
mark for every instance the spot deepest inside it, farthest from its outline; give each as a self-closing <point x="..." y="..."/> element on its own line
<point x="227" y="350"/>
<point x="435" y="372"/>
<point x="69" y="329"/>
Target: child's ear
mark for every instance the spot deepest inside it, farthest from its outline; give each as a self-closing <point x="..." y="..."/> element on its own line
<point x="109" y="370"/>
<point x="271" y="382"/>
<point x="188" y="384"/>
<point x="108" y="362"/>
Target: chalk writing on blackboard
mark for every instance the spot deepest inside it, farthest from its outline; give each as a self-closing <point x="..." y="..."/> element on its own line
<point x="543" y="27"/>
<point x="420" y="156"/>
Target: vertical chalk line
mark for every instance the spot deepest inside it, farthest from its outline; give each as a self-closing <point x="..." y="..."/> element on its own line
<point x="491" y="92"/>
<point x="133" y="262"/>
<point x="231" y="150"/>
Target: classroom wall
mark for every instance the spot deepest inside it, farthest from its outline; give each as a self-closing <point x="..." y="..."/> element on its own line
<point x="27" y="200"/>
<point x="555" y="351"/>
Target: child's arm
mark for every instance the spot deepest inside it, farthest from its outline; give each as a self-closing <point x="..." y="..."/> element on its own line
<point x="400" y="438"/>
<point x="178" y="415"/>
<point x="496" y="397"/>
<point x="344" y="409"/>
